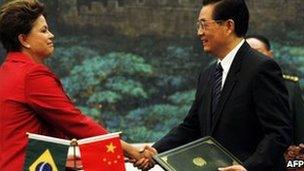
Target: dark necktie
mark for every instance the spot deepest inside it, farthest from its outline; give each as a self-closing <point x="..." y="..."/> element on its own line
<point x="216" y="86"/>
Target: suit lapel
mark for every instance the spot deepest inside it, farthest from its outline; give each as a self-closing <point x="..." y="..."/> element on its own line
<point x="208" y="100"/>
<point x="231" y="81"/>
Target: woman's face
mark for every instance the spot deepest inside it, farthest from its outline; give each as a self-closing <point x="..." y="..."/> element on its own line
<point x="40" y="39"/>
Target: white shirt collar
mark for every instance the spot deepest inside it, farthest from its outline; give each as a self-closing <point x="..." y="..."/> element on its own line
<point x="228" y="59"/>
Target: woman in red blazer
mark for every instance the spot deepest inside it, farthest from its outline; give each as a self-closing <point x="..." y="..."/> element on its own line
<point x="31" y="96"/>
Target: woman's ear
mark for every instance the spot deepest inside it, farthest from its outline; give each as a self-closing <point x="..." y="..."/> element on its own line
<point x="23" y="42"/>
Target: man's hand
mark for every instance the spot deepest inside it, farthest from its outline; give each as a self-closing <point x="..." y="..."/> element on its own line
<point x="232" y="168"/>
<point x="146" y="162"/>
<point x="136" y="155"/>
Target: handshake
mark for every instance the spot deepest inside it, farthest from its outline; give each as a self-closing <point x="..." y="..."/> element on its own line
<point x="142" y="158"/>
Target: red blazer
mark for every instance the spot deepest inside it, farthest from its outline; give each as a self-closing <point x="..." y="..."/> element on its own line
<point x="32" y="100"/>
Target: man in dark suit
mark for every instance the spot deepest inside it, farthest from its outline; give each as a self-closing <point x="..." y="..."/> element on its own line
<point x="241" y="99"/>
<point x="262" y="44"/>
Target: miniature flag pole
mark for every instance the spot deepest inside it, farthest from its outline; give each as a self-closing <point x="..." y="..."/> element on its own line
<point x="74" y="144"/>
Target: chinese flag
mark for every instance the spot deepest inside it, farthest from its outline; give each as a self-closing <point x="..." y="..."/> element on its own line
<point x="102" y="153"/>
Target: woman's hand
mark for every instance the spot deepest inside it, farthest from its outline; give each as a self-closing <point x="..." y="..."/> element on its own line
<point x="142" y="159"/>
<point x="147" y="162"/>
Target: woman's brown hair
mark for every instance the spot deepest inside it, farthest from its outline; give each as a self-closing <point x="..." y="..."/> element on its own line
<point x="17" y="17"/>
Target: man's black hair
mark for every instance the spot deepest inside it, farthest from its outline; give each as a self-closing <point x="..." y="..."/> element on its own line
<point x="262" y="39"/>
<point x="231" y="9"/>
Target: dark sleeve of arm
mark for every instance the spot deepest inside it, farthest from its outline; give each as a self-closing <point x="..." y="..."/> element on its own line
<point x="272" y="108"/>
<point x="298" y="114"/>
<point x="185" y="132"/>
<point x="45" y="95"/>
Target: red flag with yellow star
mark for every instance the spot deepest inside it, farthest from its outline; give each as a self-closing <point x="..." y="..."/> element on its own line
<point x="102" y="153"/>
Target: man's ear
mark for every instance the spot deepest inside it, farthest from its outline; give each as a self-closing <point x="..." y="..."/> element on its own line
<point x="23" y="42"/>
<point x="230" y="26"/>
<point x="270" y="53"/>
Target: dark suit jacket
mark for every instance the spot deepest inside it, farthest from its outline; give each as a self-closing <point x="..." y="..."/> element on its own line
<point x="252" y="118"/>
<point x="297" y="109"/>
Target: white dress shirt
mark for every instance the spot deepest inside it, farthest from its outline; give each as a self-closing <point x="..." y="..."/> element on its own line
<point x="227" y="61"/>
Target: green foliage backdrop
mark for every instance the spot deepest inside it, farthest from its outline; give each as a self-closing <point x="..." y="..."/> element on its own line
<point x="144" y="87"/>
<point x="142" y="92"/>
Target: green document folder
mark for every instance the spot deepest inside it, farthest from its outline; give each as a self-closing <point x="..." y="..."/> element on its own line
<point x="204" y="154"/>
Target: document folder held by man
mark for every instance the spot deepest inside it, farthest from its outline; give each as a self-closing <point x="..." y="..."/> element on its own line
<point x="204" y="154"/>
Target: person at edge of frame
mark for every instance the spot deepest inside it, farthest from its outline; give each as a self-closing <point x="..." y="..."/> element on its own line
<point x="296" y="150"/>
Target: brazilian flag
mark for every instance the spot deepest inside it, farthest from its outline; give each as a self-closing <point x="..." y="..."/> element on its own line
<point x="46" y="153"/>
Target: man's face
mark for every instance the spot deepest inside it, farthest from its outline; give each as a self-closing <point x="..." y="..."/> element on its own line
<point x="210" y="31"/>
<point x="259" y="46"/>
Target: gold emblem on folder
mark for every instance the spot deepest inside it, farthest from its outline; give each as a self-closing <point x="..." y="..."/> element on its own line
<point x="199" y="161"/>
